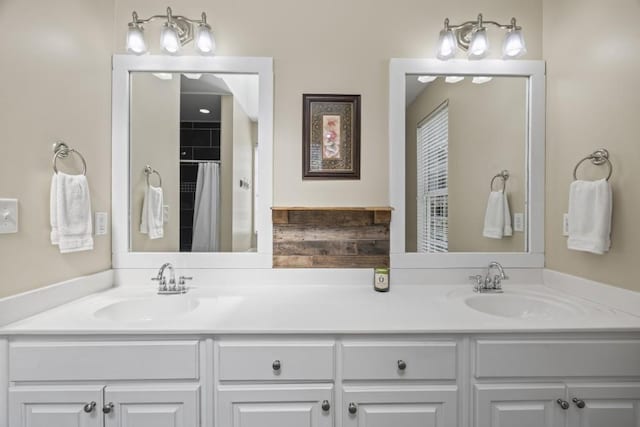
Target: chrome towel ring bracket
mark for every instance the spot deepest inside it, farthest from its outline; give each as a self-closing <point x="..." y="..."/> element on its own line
<point x="61" y="151"/>
<point x="504" y="175"/>
<point x="598" y="158"/>
<point x="148" y="170"/>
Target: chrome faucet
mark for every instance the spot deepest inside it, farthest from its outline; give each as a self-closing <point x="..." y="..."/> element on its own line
<point x="171" y="288"/>
<point x="489" y="283"/>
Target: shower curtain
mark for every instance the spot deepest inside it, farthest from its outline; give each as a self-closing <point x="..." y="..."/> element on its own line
<point x="206" y="214"/>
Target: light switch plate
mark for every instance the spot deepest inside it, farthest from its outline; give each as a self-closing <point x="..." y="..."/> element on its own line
<point x="565" y="224"/>
<point x="102" y="222"/>
<point x="8" y="216"/>
<point x="518" y="222"/>
<point x="165" y="214"/>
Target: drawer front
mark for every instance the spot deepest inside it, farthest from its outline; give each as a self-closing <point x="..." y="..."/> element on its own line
<point x="60" y="361"/>
<point x="555" y="358"/>
<point x="384" y="361"/>
<point x="260" y="361"/>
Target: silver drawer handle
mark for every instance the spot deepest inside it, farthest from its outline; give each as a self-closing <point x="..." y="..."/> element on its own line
<point x="276" y="365"/>
<point x="326" y="405"/>
<point x="106" y="409"/>
<point x="563" y="404"/>
<point x="579" y="402"/>
<point x="89" y="407"/>
<point x="353" y="408"/>
<point x="402" y="365"/>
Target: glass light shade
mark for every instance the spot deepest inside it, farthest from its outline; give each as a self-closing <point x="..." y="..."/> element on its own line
<point x="163" y="76"/>
<point x="481" y="79"/>
<point x="453" y="79"/>
<point x="479" y="46"/>
<point x="446" y="45"/>
<point x="204" y="40"/>
<point x="169" y="39"/>
<point x="514" y="45"/>
<point x="426" y="79"/>
<point x="135" y="40"/>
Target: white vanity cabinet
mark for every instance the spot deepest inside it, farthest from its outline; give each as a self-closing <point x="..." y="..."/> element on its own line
<point x="104" y="383"/>
<point x="552" y="382"/>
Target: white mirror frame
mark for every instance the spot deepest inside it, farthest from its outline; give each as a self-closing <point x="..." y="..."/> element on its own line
<point x="123" y="65"/>
<point x="535" y="153"/>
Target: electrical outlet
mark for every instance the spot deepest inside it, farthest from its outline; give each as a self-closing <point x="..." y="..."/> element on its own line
<point x="565" y="224"/>
<point x="8" y="216"/>
<point x="518" y="221"/>
<point x="102" y="222"/>
<point x="165" y="214"/>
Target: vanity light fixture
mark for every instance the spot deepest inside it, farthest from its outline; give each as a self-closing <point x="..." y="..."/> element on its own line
<point x="453" y="79"/>
<point x="481" y="79"/>
<point x="163" y="76"/>
<point x="204" y="111"/>
<point x="192" y="76"/>
<point x="472" y="37"/>
<point x="426" y="79"/>
<point x="176" y="32"/>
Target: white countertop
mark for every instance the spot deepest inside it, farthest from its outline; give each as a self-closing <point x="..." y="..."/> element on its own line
<point x="316" y="309"/>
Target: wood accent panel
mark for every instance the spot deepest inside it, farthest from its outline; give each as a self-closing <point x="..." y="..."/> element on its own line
<point x="305" y="237"/>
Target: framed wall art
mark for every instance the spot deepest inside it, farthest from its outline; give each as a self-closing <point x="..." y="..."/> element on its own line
<point x="330" y="136"/>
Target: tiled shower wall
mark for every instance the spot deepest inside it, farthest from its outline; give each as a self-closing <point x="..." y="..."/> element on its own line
<point x="198" y="141"/>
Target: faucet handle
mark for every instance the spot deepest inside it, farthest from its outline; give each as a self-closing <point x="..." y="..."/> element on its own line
<point x="181" y="279"/>
<point x="477" y="281"/>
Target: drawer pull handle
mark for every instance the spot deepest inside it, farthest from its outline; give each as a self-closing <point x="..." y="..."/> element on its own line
<point x="402" y="365"/>
<point x="326" y="405"/>
<point x="563" y="404"/>
<point x="276" y="365"/>
<point x="353" y="408"/>
<point x="89" y="407"/>
<point x="106" y="409"/>
<point x="579" y="402"/>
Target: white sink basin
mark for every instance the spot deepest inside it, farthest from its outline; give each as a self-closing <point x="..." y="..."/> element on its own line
<point x="521" y="306"/>
<point x="147" y="309"/>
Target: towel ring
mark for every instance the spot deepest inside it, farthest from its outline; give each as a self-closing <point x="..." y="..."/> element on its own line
<point x="598" y="157"/>
<point x="148" y="170"/>
<point x="62" y="150"/>
<point x="504" y="175"/>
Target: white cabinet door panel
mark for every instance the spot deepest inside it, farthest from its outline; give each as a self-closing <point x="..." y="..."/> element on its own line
<point x="275" y="406"/>
<point x="55" y="406"/>
<point x="153" y="406"/>
<point x="518" y="405"/>
<point x="605" y="405"/>
<point x="400" y="406"/>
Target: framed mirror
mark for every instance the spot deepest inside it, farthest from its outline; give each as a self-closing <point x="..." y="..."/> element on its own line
<point x="192" y="156"/>
<point x="467" y="163"/>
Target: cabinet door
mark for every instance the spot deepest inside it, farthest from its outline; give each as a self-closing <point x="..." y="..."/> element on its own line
<point x="605" y="405"/>
<point x="55" y="406"/>
<point x="152" y="406"/>
<point x="275" y="406"/>
<point x="519" y="405"/>
<point x="397" y="406"/>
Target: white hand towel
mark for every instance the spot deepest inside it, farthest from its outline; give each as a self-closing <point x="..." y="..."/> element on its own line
<point x="497" y="218"/>
<point x="152" y="220"/>
<point x="70" y="213"/>
<point x="590" y="207"/>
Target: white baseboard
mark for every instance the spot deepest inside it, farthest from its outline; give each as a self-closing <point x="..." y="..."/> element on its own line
<point x="20" y="306"/>
<point x="612" y="296"/>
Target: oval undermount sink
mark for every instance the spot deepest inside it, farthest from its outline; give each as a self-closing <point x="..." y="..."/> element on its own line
<point x="147" y="309"/>
<point x="521" y="306"/>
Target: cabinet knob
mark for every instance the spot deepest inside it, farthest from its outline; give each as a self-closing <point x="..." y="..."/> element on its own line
<point x="353" y="408"/>
<point x="276" y="365"/>
<point x="106" y="409"/>
<point x="89" y="407"/>
<point x="402" y="365"/>
<point x="563" y="404"/>
<point x="579" y="402"/>
<point x="326" y="405"/>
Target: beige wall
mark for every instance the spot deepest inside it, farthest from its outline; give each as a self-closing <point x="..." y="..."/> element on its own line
<point x="593" y="63"/>
<point x="56" y="80"/>
<point x="226" y="173"/>
<point x="242" y="221"/>
<point x="155" y="141"/>
<point x="487" y="133"/>
<point x="338" y="47"/>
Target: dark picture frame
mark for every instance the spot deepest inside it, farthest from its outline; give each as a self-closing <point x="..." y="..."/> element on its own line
<point x="330" y="136"/>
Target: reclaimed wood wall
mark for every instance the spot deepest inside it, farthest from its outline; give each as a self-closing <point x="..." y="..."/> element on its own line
<point x="331" y="237"/>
